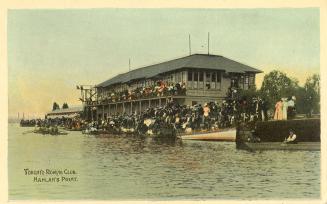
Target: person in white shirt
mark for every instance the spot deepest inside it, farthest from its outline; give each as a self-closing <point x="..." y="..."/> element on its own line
<point x="285" y="105"/>
<point x="291" y="138"/>
<point x="291" y="108"/>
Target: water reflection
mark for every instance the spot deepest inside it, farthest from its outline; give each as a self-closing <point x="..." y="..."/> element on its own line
<point x="116" y="167"/>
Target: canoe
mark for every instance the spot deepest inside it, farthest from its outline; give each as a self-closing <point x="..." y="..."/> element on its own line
<point x="49" y="133"/>
<point x="262" y="146"/>
<point x="220" y="135"/>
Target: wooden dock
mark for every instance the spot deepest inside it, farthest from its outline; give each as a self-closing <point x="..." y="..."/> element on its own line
<point x="222" y="135"/>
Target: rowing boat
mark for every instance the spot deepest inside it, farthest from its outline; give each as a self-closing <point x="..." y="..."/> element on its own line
<point x="219" y="135"/>
<point x="260" y="146"/>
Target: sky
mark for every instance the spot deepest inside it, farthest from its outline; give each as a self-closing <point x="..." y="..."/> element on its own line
<point x="52" y="51"/>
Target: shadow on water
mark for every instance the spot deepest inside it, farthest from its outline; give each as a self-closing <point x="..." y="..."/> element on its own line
<point x="131" y="144"/>
<point x="130" y="167"/>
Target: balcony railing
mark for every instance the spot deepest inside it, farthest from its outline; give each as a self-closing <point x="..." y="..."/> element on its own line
<point x="143" y="93"/>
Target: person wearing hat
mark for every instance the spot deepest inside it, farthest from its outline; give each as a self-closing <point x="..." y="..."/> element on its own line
<point x="291" y="139"/>
<point x="291" y="108"/>
<point x="206" y="111"/>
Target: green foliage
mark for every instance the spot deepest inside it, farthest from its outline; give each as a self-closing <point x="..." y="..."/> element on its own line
<point x="276" y="85"/>
<point x="55" y="106"/>
<point x="248" y="94"/>
<point x="65" y="106"/>
<point x="310" y="95"/>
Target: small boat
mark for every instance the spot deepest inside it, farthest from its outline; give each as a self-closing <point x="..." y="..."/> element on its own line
<point x="91" y="131"/>
<point x="48" y="131"/>
<point x="261" y="146"/>
<point x="220" y="135"/>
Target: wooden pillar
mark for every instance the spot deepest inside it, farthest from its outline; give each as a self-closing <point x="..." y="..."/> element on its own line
<point x="96" y="113"/>
<point x="160" y="102"/>
<point x="149" y="103"/>
<point x="140" y="107"/>
<point x="116" y="107"/>
<point x="123" y="107"/>
<point x="109" y="110"/>
<point x="91" y="108"/>
<point x="102" y="112"/>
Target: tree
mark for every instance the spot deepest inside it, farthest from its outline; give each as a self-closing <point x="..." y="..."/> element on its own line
<point x="55" y="106"/>
<point x="65" y="106"/>
<point x="309" y="96"/>
<point x="277" y="84"/>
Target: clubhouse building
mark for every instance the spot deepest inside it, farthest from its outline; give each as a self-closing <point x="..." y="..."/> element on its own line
<point x="190" y="80"/>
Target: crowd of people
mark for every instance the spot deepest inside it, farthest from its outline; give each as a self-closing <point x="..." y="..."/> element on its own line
<point x="178" y="118"/>
<point x="172" y="116"/>
<point x="28" y="123"/>
<point x="186" y="118"/>
<point x="160" y="89"/>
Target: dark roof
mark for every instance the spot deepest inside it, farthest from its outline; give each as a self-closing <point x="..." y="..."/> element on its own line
<point x="69" y="110"/>
<point x="199" y="61"/>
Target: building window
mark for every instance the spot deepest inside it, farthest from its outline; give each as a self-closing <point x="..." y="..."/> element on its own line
<point x="195" y="80"/>
<point x="246" y="82"/>
<point x="218" y="84"/>
<point x="183" y="76"/>
<point x="178" y="77"/>
<point x="251" y="79"/>
<point x="201" y="80"/>
<point x="241" y="81"/>
<point x="213" y="80"/>
<point x="189" y="79"/>
<point x="208" y="80"/>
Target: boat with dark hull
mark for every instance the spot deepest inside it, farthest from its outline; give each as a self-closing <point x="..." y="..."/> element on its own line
<point x="46" y="131"/>
<point x="269" y="135"/>
<point x="263" y="146"/>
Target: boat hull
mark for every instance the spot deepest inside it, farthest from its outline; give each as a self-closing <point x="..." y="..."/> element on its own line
<point x="228" y="135"/>
<point x="262" y="146"/>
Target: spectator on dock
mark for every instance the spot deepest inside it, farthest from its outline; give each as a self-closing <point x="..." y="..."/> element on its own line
<point x="263" y="109"/>
<point x="279" y="110"/>
<point x="206" y="111"/>
<point x="291" y="112"/>
<point x="285" y="107"/>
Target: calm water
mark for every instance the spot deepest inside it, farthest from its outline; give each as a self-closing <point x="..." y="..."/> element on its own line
<point x="125" y="168"/>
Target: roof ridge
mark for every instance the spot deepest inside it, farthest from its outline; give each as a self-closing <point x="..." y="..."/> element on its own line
<point x="196" y="60"/>
<point x="146" y="66"/>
